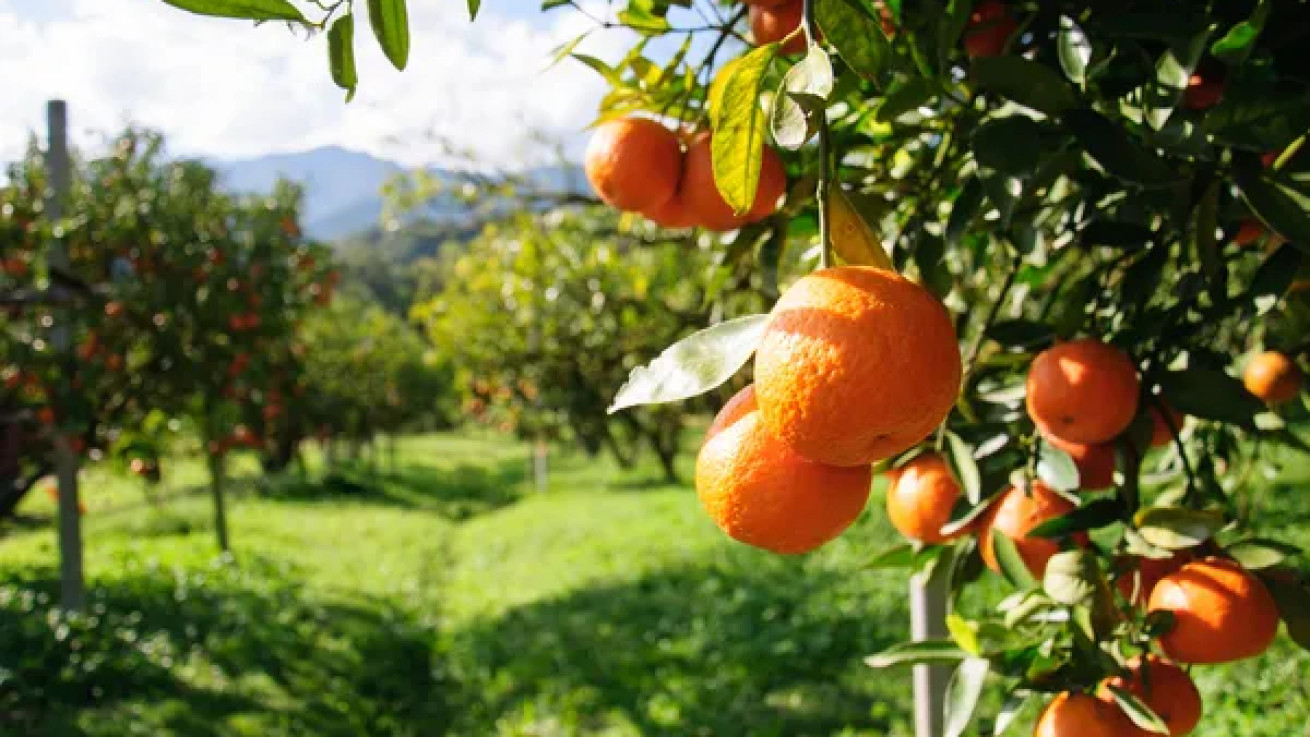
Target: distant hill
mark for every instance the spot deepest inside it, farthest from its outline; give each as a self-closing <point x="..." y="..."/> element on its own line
<point x="342" y="187"/>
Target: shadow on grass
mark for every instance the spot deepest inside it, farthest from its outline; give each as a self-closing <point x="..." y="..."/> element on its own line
<point x="456" y="493"/>
<point x="258" y="658"/>
<point x="756" y="649"/>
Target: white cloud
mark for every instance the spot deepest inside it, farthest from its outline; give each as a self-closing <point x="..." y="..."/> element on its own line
<point x="225" y="88"/>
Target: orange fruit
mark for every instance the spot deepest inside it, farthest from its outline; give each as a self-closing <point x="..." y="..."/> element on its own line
<point x="1203" y="91"/>
<point x="1095" y="461"/>
<point x="920" y="498"/>
<point x="1221" y="612"/>
<point x="700" y="195"/>
<point x="1162" y="431"/>
<point x="764" y="494"/>
<point x="1082" y="715"/>
<point x="990" y="26"/>
<point x="633" y="163"/>
<point x="1273" y="377"/>
<point x="1250" y="231"/>
<point x="672" y="214"/>
<point x="1014" y="515"/>
<point x="770" y="24"/>
<point x="1083" y="391"/>
<point x="1142" y="574"/>
<point x="1164" y="687"/>
<point x="855" y="365"/>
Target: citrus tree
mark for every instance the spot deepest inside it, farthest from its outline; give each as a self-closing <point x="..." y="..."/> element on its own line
<point x="367" y="373"/>
<point x="1055" y="252"/>
<point x="187" y="299"/>
<point x="544" y="314"/>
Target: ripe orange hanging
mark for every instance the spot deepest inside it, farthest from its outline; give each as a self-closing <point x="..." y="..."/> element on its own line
<point x="1273" y="377"/>
<point x="1014" y="515"/>
<point x="773" y="23"/>
<point x="1162" y="429"/>
<point x="1083" y="391"/>
<point x="1082" y="715"/>
<point x="634" y="163"/>
<point x="856" y="364"/>
<point x="1141" y="574"/>
<point x="990" y="26"/>
<point x="1221" y="612"/>
<point x="920" y="497"/>
<point x="700" y="197"/>
<point x="1164" y="687"/>
<point x="762" y="493"/>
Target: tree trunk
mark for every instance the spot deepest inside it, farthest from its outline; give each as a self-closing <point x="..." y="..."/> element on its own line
<point x="72" y="582"/>
<point x="217" y="482"/>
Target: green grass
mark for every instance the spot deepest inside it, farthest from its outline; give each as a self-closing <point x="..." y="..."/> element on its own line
<point x="450" y="598"/>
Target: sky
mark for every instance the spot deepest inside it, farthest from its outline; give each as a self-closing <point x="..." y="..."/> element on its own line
<point x="228" y="89"/>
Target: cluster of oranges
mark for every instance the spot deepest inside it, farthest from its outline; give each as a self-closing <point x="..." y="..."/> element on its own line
<point x="638" y="165"/>
<point x="856" y="365"/>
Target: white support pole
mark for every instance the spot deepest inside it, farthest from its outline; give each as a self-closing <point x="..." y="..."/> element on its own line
<point x="928" y="622"/>
<point x="71" y="577"/>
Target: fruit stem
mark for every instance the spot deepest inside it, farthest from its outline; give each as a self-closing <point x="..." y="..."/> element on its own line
<point x="810" y="27"/>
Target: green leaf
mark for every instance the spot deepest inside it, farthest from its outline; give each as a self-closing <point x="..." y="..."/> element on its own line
<point x="905" y="97"/>
<point x="957" y="524"/>
<point x="341" y="54"/>
<point x="244" y="9"/>
<point x="858" y="38"/>
<point x="1176" y="528"/>
<point x="1116" y="152"/>
<point x="1010" y="562"/>
<point x="964" y="632"/>
<point x="1137" y="711"/>
<point x="1210" y="394"/>
<point x="1115" y="233"/>
<point x="904" y="556"/>
<point x="390" y="20"/>
<point x="694" y="365"/>
<point x="962" y="693"/>
<point x="1072" y="577"/>
<point x="1026" y="82"/>
<point x="1075" y="50"/>
<point x="1279" y="207"/>
<point x="1259" y="553"/>
<point x="801" y="100"/>
<point x="1262" y="119"/>
<point x="474" y="7"/>
<point x="1274" y="277"/>
<point x="913" y="653"/>
<point x="738" y="142"/>
<point x="1291" y="591"/>
<point x="1020" y="333"/>
<point x="964" y="210"/>
<point x="1172" y="73"/>
<point x="965" y="467"/>
<point x="1237" y="44"/>
<point x="1057" y="469"/>
<point x="1091" y="516"/>
<point x="1009" y="145"/>
<point x="1010" y="710"/>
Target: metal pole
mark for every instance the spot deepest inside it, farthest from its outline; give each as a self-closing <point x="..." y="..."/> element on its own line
<point x="928" y="622"/>
<point x="71" y="576"/>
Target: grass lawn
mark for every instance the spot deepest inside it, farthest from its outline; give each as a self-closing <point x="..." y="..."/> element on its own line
<point x="449" y="598"/>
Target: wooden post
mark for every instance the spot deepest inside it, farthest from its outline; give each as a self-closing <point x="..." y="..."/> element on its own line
<point x="541" y="464"/>
<point x="72" y="582"/>
<point x="928" y="622"/>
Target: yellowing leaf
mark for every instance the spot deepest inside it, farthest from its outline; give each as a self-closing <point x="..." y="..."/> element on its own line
<point x="853" y="240"/>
